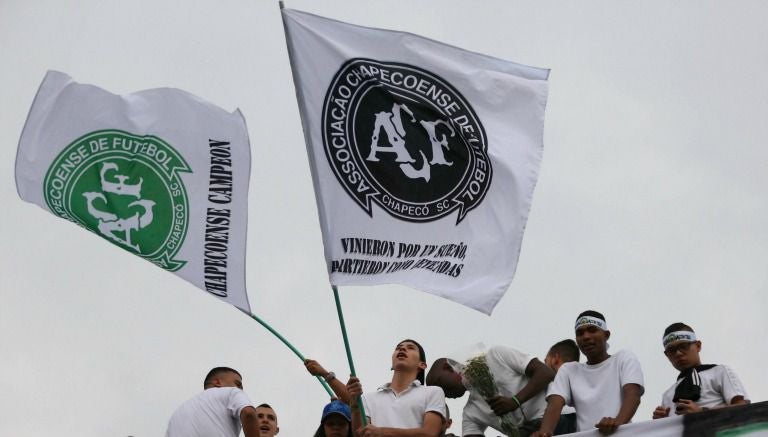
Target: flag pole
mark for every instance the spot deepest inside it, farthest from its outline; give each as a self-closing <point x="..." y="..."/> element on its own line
<point x="349" y="351"/>
<point x="295" y="351"/>
<point x="335" y="292"/>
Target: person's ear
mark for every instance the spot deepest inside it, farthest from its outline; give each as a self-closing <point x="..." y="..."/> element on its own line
<point x="698" y="346"/>
<point x="422" y="365"/>
<point x="607" y="335"/>
<point x="216" y="382"/>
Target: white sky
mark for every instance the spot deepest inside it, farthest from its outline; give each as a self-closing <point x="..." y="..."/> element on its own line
<point x="650" y="207"/>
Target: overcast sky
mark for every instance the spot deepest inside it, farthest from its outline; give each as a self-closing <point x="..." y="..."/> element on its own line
<point x="650" y="206"/>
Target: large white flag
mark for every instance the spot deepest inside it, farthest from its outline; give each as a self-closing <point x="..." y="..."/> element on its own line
<point x="424" y="156"/>
<point x="159" y="173"/>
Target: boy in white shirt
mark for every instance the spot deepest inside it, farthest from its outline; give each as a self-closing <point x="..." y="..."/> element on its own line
<point x="699" y="386"/>
<point x="404" y="406"/>
<point x="605" y="390"/>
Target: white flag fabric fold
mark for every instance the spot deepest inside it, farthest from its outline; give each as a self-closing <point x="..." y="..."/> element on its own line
<point x="424" y="157"/>
<point x="159" y="173"/>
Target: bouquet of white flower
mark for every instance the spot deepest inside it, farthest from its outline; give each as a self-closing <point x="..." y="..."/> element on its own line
<point x="479" y="377"/>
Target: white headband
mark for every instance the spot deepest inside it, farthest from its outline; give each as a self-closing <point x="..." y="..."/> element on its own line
<point x="672" y="337"/>
<point x="589" y="320"/>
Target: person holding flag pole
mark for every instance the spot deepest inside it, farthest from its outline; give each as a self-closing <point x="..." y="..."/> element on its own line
<point x="404" y="406"/>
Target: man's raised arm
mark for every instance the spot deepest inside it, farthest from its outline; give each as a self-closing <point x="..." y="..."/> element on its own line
<point x="339" y="389"/>
<point x="250" y="422"/>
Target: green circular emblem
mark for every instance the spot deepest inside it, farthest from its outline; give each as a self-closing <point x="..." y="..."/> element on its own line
<point x="125" y="188"/>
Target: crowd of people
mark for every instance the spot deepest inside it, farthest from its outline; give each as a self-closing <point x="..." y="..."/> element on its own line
<point x="559" y="396"/>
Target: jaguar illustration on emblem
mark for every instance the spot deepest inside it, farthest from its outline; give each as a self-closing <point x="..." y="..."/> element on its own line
<point x="404" y="138"/>
<point x="125" y="188"/>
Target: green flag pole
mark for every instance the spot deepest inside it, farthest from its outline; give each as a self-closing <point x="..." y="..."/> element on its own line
<point x="335" y="292"/>
<point x="349" y="351"/>
<point x="295" y="351"/>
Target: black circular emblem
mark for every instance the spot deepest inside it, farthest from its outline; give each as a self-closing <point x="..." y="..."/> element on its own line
<point x="404" y="138"/>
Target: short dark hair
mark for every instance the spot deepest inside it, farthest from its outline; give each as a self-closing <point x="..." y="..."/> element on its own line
<point x="433" y="371"/>
<point x="567" y="349"/>
<point x="270" y="407"/>
<point x="592" y="313"/>
<point x="422" y="357"/>
<point x="216" y="371"/>
<point x="678" y="326"/>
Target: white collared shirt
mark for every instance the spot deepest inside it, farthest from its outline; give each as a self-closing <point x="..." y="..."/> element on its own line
<point x="405" y="409"/>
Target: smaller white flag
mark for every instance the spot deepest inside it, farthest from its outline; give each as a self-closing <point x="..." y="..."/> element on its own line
<point x="160" y="173"/>
<point x="424" y="156"/>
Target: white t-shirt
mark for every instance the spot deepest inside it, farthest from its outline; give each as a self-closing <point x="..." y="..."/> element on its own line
<point x="718" y="386"/>
<point x="405" y="409"/>
<point x="214" y="412"/>
<point x="507" y="366"/>
<point x="595" y="390"/>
